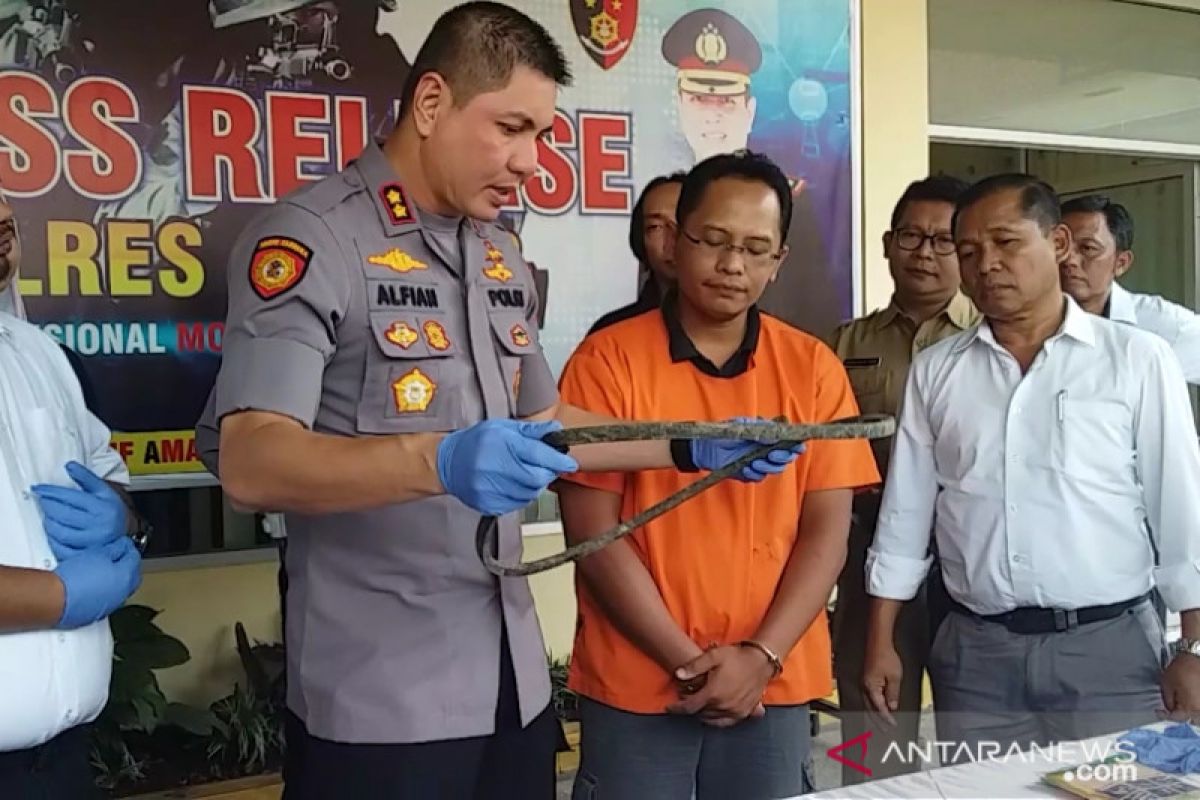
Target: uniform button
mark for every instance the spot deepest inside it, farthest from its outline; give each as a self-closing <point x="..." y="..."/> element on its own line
<point x="25" y="494"/>
<point x="46" y="563"/>
<point x="62" y="638"/>
<point x="1017" y="559"/>
<point x="1012" y="507"/>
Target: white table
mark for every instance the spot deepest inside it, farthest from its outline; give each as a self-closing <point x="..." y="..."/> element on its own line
<point x="1015" y="777"/>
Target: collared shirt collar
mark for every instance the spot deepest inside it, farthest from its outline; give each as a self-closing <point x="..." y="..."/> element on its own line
<point x="958" y="311"/>
<point x="1120" y="305"/>
<point x="1077" y="324"/>
<point x="682" y="348"/>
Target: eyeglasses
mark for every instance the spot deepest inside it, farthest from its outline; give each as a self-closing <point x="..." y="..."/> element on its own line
<point x="907" y="239"/>
<point x="755" y="254"/>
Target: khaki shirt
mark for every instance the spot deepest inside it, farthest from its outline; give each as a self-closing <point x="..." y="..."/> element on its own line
<point x="358" y="315"/>
<point x="878" y="349"/>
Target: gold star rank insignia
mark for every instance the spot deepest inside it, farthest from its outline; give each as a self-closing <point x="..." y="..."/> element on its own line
<point x="520" y="336"/>
<point x="396" y="204"/>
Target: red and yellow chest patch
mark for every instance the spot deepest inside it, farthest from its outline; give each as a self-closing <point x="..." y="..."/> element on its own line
<point x="435" y="334"/>
<point x="401" y="334"/>
<point x="520" y="336"/>
<point x="413" y="392"/>
<point x="278" y="264"/>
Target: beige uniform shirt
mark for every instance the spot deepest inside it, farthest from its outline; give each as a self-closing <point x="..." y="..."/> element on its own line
<point x="878" y="349"/>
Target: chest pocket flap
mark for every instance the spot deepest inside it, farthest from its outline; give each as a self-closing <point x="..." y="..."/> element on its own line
<point x="413" y="376"/>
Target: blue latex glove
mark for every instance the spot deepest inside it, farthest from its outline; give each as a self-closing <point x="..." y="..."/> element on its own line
<point x="712" y="454"/>
<point x="76" y="519"/>
<point x="500" y="465"/>
<point x="1174" y="749"/>
<point x="97" y="581"/>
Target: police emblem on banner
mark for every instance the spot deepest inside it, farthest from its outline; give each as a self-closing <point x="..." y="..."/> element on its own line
<point x="605" y="28"/>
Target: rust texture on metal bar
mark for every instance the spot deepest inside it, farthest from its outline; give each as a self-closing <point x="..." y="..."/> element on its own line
<point x="773" y="435"/>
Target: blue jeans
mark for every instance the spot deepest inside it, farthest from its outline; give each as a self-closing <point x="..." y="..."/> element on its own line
<point x="665" y="757"/>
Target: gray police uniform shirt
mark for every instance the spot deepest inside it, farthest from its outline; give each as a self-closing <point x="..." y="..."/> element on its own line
<point x="363" y="316"/>
<point x="1179" y="326"/>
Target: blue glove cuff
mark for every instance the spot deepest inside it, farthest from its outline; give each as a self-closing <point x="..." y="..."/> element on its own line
<point x="681" y="455"/>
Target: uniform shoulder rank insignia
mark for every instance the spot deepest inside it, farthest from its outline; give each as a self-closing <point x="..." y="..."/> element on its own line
<point x="398" y="260"/>
<point x="278" y="264"/>
<point x="517" y="382"/>
<point x="435" y="334"/>
<point x="413" y="392"/>
<point x="520" y="336"/>
<point x="495" y="267"/>
<point x="396" y="203"/>
<point x="401" y="334"/>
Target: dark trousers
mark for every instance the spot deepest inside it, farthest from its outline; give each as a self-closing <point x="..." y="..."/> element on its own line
<point x="60" y="769"/>
<point x="514" y="763"/>
<point x="912" y="637"/>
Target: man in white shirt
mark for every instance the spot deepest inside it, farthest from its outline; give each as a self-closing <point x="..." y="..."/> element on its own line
<point x="1102" y="251"/>
<point x="65" y="560"/>
<point x="1052" y="453"/>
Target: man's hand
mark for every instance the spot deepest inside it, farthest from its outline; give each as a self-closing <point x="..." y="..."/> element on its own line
<point x="1181" y="688"/>
<point x="734" y="681"/>
<point x="500" y="465"/>
<point x="882" y="671"/>
<point x="713" y="454"/>
<point x="77" y="519"/>
<point x="97" y="581"/>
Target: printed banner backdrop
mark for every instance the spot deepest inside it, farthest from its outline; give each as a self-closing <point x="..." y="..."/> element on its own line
<point x="138" y="136"/>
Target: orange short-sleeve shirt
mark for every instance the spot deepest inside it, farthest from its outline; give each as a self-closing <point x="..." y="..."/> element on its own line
<point x="717" y="559"/>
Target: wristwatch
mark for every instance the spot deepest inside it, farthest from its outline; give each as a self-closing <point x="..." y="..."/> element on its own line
<point x="1184" y="645"/>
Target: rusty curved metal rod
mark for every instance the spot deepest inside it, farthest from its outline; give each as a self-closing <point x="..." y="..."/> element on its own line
<point x="773" y="435"/>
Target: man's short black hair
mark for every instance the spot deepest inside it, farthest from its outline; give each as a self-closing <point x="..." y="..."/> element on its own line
<point x="476" y="46"/>
<point x="637" y="220"/>
<point x="1039" y="201"/>
<point x="745" y="165"/>
<point x="1116" y="216"/>
<point x="934" y="189"/>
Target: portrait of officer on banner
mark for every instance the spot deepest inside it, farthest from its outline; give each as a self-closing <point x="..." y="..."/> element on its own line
<point x="716" y="56"/>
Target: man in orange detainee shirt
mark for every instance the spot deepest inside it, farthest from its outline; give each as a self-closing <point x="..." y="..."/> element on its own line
<point x="702" y="637"/>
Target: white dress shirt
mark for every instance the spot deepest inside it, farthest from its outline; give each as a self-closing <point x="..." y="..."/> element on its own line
<point x="1179" y="326"/>
<point x="1051" y="489"/>
<point x="50" y="680"/>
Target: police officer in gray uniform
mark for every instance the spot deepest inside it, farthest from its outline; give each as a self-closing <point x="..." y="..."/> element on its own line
<point x="381" y="353"/>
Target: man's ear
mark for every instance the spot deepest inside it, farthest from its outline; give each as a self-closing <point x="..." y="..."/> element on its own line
<point x="783" y="254"/>
<point x="887" y="243"/>
<point x="1060" y="235"/>
<point x="430" y="96"/>
<point x="1124" y="262"/>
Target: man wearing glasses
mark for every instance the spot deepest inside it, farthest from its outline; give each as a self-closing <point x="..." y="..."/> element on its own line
<point x="702" y="636"/>
<point x="877" y="351"/>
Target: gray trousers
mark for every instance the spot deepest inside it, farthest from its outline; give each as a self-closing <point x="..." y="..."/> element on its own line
<point x="626" y="756"/>
<point x="992" y="685"/>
